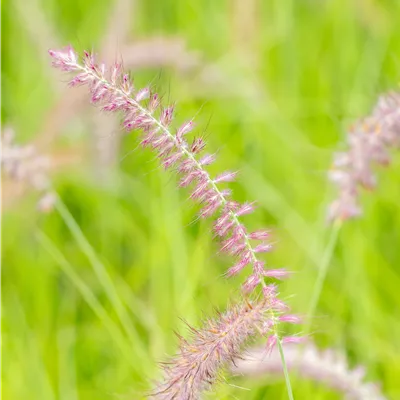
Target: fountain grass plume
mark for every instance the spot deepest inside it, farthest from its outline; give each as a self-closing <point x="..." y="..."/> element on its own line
<point x="329" y="367"/>
<point x="369" y="142"/>
<point x="24" y="165"/>
<point x="113" y="91"/>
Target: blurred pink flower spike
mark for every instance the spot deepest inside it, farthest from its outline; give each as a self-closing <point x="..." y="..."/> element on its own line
<point x="327" y="367"/>
<point x="369" y="142"/>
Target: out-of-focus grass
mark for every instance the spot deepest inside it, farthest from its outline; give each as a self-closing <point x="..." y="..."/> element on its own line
<point x="87" y="312"/>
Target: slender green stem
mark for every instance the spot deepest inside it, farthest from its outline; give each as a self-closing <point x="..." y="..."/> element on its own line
<point x="318" y="286"/>
<point x="90" y="298"/>
<point x="285" y="370"/>
<point x="322" y="272"/>
<point x="100" y="271"/>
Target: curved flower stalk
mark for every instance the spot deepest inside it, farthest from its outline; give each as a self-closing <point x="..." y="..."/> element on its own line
<point x="142" y="110"/>
<point x="369" y="141"/>
<point x="220" y="341"/>
<point x="24" y="165"/>
<point x="327" y="367"/>
<point x="113" y="91"/>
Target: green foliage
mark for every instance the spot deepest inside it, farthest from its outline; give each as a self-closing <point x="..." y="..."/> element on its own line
<point x="91" y="300"/>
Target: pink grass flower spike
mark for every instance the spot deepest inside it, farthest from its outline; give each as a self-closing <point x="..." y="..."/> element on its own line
<point x="328" y="367"/>
<point x="369" y="142"/>
<point x="142" y="110"/>
<point x="23" y="164"/>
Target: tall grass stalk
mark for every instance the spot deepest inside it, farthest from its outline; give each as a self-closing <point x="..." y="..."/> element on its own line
<point x="100" y="271"/>
<point x="285" y="370"/>
<point x="322" y="273"/>
<point x="87" y="294"/>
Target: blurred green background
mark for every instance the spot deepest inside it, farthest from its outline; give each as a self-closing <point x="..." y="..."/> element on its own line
<point x="91" y="297"/>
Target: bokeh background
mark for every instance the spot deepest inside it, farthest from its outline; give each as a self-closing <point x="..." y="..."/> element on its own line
<point x="91" y="297"/>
